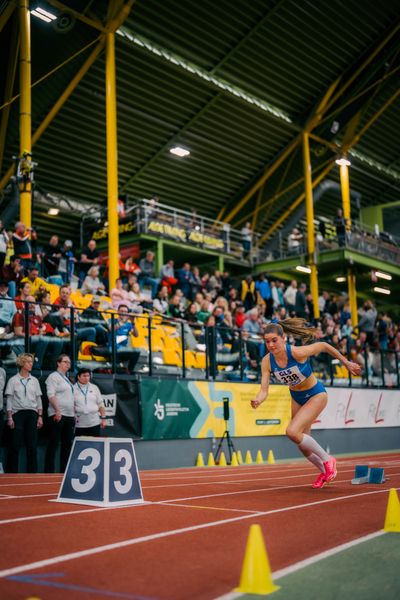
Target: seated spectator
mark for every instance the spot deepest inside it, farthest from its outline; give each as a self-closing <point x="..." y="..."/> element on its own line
<point x="176" y="308"/>
<point x="191" y="313"/>
<point x="7" y="307"/>
<point x="37" y="283"/>
<point x="198" y="300"/>
<point x="161" y="302"/>
<point x="367" y="320"/>
<point x="13" y="273"/>
<point x="131" y="267"/>
<point x="254" y="330"/>
<point x="204" y="312"/>
<point x="93" y="317"/>
<point x="22" y="244"/>
<point x="24" y="292"/>
<point x="222" y="302"/>
<point x="290" y="296"/>
<point x="54" y="324"/>
<point x="137" y="299"/>
<point x="347" y="329"/>
<point x="119" y="295"/>
<point x="295" y="241"/>
<point x="51" y="257"/>
<point x="147" y="276"/>
<point x="41" y="335"/>
<point x="215" y="284"/>
<point x="89" y="258"/>
<point x="196" y="281"/>
<point x="132" y="279"/>
<point x="62" y="306"/>
<point x="124" y="327"/>
<point x="92" y="283"/>
<point x="248" y="292"/>
<point x="185" y="280"/>
<point x="167" y="275"/>
<point x="239" y="315"/>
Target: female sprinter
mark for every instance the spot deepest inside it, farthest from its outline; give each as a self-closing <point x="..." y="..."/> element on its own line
<point x="290" y="365"/>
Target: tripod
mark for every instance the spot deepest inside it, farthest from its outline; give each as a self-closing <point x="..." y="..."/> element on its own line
<point x="231" y="447"/>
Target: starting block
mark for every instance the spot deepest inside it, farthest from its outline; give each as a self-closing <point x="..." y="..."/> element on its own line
<point x="366" y="474"/>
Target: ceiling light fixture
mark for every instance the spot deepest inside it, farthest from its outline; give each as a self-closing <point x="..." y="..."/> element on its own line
<point x="303" y="269"/>
<point x="179" y="151"/>
<point x="341" y="279"/>
<point x="44" y="15"/>
<point x="342" y="161"/>
<point x="53" y="211"/>
<point x="382" y="275"/>
<point x="382" y="290"/>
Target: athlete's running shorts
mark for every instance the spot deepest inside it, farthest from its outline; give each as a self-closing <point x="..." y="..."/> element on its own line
<point x="301" y="397"/>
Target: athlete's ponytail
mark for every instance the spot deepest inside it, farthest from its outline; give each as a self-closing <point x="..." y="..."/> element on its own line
<point x="295" y="327"/>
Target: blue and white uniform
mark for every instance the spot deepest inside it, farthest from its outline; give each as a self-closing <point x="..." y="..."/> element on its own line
<point x="294" y="373"/>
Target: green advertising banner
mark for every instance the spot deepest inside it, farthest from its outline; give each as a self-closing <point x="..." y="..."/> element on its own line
<point x="194" y="409"/>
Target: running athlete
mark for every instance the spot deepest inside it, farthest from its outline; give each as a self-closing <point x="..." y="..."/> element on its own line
<point x="290" y="365"/>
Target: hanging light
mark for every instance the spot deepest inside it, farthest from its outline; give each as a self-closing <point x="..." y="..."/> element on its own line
<point x="382" y="275"/>
<point x="303" y="269"/>
<point x="179" y="151"/>
<point x="53" y="211"/>
<point x="341" y="279"/>
<point x="382" y="290"/>
<point x="343" y="161"/>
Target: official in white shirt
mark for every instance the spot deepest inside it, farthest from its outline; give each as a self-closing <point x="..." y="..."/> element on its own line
<point x="24" y="413"/>
<point x="90" y="411"/>
<point x="61" y="413"/>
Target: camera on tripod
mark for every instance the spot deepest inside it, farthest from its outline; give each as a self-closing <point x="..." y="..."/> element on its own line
<point x="226" y="415"/>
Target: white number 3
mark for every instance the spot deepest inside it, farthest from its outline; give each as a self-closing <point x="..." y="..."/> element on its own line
<point x="88" y="470"/>
<point x="126" y="457"/>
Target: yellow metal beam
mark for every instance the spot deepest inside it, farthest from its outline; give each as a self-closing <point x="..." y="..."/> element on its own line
<point x="112" y="162"/>
<point x="362" y="67"/>
<point x="320" y="109"/>
<point x="25" y="131"/>
<point x="59" y="104"/>
<point x="308" y="187"/>
<point x="295" y="204"/>
<point x="374" y="117"/>
<point x="269" y="171"/>
<point x="351" y="286"/>
<point x="81" y="17"/>
<point x="6" y="14"/>
<point x="345" y="185"/>
<point x="9" y="86"/>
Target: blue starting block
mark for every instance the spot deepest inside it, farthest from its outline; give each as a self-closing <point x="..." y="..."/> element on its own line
<point x="366" y="474"/>
<point x="361" y="474"/>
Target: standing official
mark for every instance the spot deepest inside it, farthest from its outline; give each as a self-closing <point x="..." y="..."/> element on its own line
<point x="61" y="412"/>
<point x="24" y="413"/>
<point x="89" y="406"/>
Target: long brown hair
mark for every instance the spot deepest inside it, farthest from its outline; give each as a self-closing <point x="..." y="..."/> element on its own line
<point x="295" y="326"/>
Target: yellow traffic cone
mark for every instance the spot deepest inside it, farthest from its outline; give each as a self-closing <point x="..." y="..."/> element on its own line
<point x="271" y="458"/>
<point x="259" y="458"/>
<point x="239" y="457"/>
<point x="222" y="460"/>
<point x="256" y="572"/>
<point x="234" y="461"/>
<point x="211" y="461"/>
<point x="392" y="520"/>
<point x="200" y="460"/>
<point x="249" y="458"/>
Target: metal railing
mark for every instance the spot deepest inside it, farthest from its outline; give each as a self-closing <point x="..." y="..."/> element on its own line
<point x="155" y="344"/>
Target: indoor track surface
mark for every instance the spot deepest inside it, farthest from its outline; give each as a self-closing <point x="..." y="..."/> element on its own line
<point x="187" y="541"/>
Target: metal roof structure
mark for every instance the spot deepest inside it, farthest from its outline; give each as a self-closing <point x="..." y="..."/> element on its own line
<point x="234" y="82"/>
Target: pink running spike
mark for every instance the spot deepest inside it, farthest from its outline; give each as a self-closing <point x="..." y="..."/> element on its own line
<point x="319" y="482"/>
<point x="330" y="469"/>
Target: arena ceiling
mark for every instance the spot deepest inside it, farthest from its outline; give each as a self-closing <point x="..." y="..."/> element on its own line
<point x="234" y="82"/>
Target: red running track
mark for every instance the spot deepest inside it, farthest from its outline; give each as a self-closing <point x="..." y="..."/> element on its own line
<point x="189" y="540"/>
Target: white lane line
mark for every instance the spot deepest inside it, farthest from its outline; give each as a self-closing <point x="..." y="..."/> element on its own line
<point x="26" y="484"/>
<point x="326" y="554"/>
<point x="165" y="534"/>
<point x="29" y="496"/>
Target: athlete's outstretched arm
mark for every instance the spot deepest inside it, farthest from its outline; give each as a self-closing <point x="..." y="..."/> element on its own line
<point x="301" y="353"/>
<point x="265" y="377"/>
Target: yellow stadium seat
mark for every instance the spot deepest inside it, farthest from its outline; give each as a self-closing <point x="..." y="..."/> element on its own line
<point x="172" y="357"/>
<point x="86" y="354"/>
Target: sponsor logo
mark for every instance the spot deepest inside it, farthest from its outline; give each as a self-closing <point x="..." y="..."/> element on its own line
<point x="110" y="402"/>
<point x="159" y="410"/>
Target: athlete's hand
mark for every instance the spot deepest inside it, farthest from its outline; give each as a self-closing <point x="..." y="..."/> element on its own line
<point x="256" y="403"/>
<point x="353" y="367"/>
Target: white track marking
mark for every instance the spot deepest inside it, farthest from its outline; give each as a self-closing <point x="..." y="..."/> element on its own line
<point x="29" y="496"/>
<point x="26" y="484"/>
<point x="326" y="554"/>
<point x="156" y="536"/>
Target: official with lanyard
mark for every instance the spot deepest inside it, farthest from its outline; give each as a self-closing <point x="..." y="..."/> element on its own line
<point x="61" y="413"/>
<point x="24" y="413"/>
<point x="90" y="411"/>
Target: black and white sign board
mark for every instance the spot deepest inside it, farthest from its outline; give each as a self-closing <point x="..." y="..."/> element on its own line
<point x="101" y="472"/>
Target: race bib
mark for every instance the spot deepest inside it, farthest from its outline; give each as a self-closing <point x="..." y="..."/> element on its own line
<point x="290" y="376"/>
